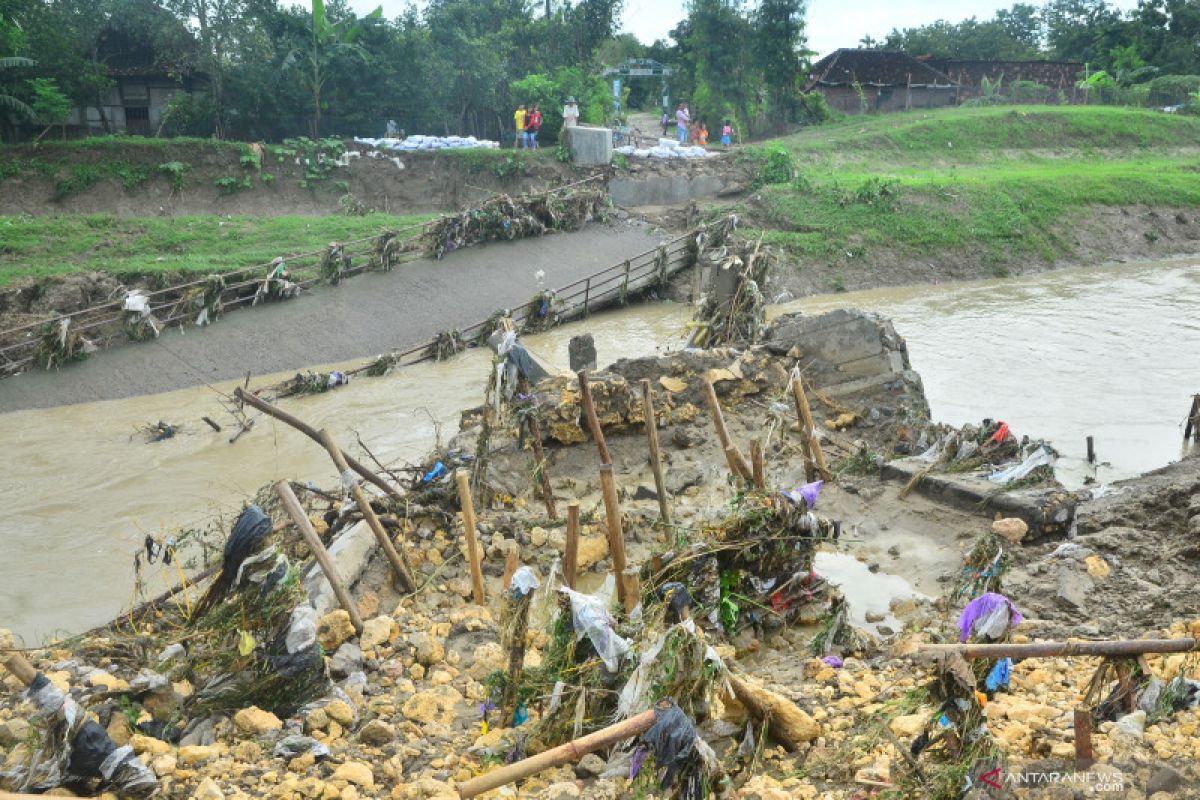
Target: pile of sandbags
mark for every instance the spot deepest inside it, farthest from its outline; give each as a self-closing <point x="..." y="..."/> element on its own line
<point x="419" y="142"/>
<point x="666" y="148"/>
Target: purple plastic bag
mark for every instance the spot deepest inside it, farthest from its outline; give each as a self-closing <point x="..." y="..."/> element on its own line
<point x="832" y="661"/>
<point x="983" y="607"/>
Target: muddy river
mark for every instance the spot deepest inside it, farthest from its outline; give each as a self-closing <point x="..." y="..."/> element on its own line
<point x="1110" y="352"/>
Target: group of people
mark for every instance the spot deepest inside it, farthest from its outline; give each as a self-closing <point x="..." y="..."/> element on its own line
<point x="694" y="132"/>
<point x="528" y="123"/>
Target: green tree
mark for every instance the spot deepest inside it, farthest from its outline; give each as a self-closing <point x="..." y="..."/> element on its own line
<point x="325" y="41"/>
<point x="780" y="47"/>
<point x="14" y="110"/>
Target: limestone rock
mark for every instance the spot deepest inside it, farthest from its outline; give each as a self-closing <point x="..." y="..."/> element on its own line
<point x="148" y="744"/>
<point x="333" y="629"/>
<point x="590" y="766"/>
<point x="1097" y="567"/>
<point x="208" y="790"/>
<point x="376" y="631"/>
<point x="197" y="753"/>
<point x="254" y="721"/>
<point x="347" y="660"/>
<point x="1011" y="529"/>
<point x="164" y="765"/>
<point x="538" y="536"/>
<point x="377" y="732"/>
<point x="909" y="725"/>
<point x="429" y="650"/>
<point x="13" y="731"/>
<point x="340" y="712"/>
<point x="432" y="706"/>
<point x="356" y="773"/>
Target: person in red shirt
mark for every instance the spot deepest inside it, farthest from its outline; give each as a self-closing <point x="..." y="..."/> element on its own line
<point x="533" y="123"/>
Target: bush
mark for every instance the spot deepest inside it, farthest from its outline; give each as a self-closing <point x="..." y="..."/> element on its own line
<point x="814" y="109"/>
<point x="772" y="164"/>
<point x="1171" y="90"/>
<point x="188" y="114"/>
<point x="1030" y="92"/>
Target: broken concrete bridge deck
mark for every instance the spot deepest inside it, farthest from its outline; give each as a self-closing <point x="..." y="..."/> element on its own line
<point x="366" y="315"/>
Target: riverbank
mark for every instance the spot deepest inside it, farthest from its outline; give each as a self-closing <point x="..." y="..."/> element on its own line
<point x="955" y="194"/>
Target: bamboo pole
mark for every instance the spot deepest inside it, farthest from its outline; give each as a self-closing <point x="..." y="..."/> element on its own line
<point x="539" y="455"/>
<point x="1191" y="427"/>
<point x="21" y="669"/>
<point x="631" y="580"/>
<point x="468" y="520"/>
<point x="571" y="549"/>
<point x="616" y="537"/>
<point x="664" y="507"/>
<point x="737" y="463"/>
<point x="815" y="467"/>
<point x="364" y="505"/>
<point x="589" y="411"/>
<point x="511" y="562"/>
<point x="311" y="432"/>
<point x="557" y="756"/>
<point x="1130" y="647"/>
<point x="756" y="464"/>
<point x="292" y="506"/>
<point x="1084" y="755"/>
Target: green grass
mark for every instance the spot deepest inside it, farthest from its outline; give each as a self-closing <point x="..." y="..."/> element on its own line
<point x="130" y="142"/>
<point x="998" y="183"/>
<point x="45" y="246"/>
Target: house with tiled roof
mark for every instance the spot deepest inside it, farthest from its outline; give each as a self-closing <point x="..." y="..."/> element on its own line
<point x="857" y="80"/>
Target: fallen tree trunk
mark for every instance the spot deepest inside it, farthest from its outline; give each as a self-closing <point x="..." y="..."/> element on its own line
<point x="1131" y="647"/>
<point x="789" y="724"/>
<point x="311" y="432"/>
<point x="557" y="756"/>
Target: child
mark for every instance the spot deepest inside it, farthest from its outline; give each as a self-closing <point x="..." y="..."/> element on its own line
<point x="666" y="122"/>
<point x="532" y="124"/>
<point x="702" y="138"/>
<point x="726" y="134"/>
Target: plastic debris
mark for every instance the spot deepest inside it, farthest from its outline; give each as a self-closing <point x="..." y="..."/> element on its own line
<point x="423" y="142"/>
<point x="590" y="618"/>
<point x="988" y="616"/>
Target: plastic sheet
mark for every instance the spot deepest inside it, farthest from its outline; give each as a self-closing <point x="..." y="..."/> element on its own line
<point x="665" y="152"/>
<point x="988" y="616"/>
<point x="590" y="617"/>
<point x="1040" y="455"/>
<point x="524" y="581"/>
<point x="672" y="738"/>
<point x="302" y="629"/>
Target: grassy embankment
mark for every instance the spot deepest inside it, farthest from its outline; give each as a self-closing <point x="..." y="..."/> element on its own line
<point x="40" y="247"/>
<point x="1002" y="184"/>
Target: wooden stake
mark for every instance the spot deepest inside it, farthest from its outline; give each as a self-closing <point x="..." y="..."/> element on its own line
<point x="756" y="464"/>
<point x="539" y="455"/>
<point x="631" y="580"/>
<point x="589" y="411"/>
<point x="660" y="486"/>
<point x="737" y="463"/>
<point x="364" y="505"/>
<point x="815" y="460"/>
<point x="571" y="550"/>
<point x="1084" y="756"/>
<point x="311" y="432"/>
<point x="616" y="537"/>
<point x="21" y="669"/>
<point x="557" y="756"/>
<point x="1091" y="450"/>
<point x="512" y="560"/>
<point x="468" y="521"/>
<point x="1192" y="426"/>
<point x="304" y="525"/>
<point x="1129" y="647"/>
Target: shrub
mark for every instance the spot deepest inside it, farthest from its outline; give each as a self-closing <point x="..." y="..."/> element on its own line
<point x="772" y="164"/>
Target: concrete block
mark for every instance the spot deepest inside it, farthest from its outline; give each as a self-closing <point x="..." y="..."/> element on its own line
<point x="591" y="146"/>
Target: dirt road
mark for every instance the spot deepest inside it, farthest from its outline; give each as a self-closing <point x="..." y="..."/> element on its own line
<point x="363" y="317"/>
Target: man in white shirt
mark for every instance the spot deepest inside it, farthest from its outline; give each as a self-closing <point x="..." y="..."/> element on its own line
<point x="570" y="113"/>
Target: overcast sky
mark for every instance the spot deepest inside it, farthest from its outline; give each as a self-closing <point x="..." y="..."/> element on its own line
<point x="831" y="23"/>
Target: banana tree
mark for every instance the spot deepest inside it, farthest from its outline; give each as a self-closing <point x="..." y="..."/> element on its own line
<point x="325" y="41"/>
<point x="12" y="109"/>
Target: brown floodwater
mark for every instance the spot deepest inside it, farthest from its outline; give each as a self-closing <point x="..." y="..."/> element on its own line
<point x="1108" y="351"/>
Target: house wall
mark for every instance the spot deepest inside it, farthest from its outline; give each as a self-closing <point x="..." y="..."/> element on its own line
<point x="970" y="74"/>
<point x="888" y="98"/>
<point x="151" y="94"/>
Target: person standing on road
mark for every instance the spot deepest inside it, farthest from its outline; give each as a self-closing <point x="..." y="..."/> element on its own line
<point x="726" y="134"/>
<point x="682" y="120"/>
<point x="666" y="122"/>
<point x="519" y="119"/>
